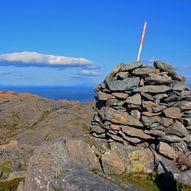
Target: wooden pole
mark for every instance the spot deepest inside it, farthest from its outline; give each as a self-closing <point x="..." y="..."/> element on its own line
<point x="142" y="40"/>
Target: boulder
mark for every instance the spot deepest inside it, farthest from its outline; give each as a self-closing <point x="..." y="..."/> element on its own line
<point x="74" y="178"/>
<point x="49" y="161"/>
<point x="112" y="163"/>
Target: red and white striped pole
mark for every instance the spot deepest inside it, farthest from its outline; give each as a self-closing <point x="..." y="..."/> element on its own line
<point x="142" y="40"/>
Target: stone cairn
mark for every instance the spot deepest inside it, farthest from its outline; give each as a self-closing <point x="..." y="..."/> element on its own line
<point x="147" y="106"/>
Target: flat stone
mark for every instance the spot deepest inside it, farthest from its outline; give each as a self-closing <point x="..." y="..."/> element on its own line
<point x="170" y="138"/>
<point x="114" y="102"/>
<point x="135" y="132"/>
<point x="180" y="86"/>
<point x="135" y="99"/>
<point x="133" y="106"/>
<point x="115" y="70"/>
<point x="116" y="138"/>
<point x="104" y="96"/>
<point x="180" y="128"/>
<point x="172" y="98"/>
<point x="185" y="94"/>
<point x="164" y="67"/>
<point x="148" y="105"/>
<point x="122" y="85"/>
<point x="180" y="147"/>
<point x="153" y="89"/>
<point x="167" y="122"/>
<point x="188" y="127"/>
<point x="149" y="114"/>
<point x="97" y="88"/>
<point x="97" y="129"/>
<point x="115" y="127"/>
<point x="179" y="77"/>
<point x="157" y="79"/>
<point x="186" y="121"/>
<point x="184" y="105"/>
<point x="148" y="121"/>
<point x="142" y="83"/>
<point x="186" y="114"/>
<point x="120" y="95"/>
<point x="118" y="117"/>
<point x="160" y="96"/>
<point x="111" y="131"/>
<point x="157" y="126"/>
<point x="147" y="96"/>
<point x="166" y="150"/>
<point x="145" y="71"/>
<point x="158" y="108"/>
<point x="130" y="139"/>
<point x="106" y="90"/>
<point x="123" y="75"/>
<point x="172" y="112"/>
<point x="155" y="132"/>
<point x="136" y="114"/>
<point x="131" y="66"/>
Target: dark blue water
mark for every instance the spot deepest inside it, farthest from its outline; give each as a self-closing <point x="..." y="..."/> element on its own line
<point x="82" y="94"/>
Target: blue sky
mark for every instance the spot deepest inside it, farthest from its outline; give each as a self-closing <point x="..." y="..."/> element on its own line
<point x="102" y="32"/>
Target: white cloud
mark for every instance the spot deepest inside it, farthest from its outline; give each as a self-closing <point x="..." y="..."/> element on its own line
<point x="40" y="60"/>
<point x="186" y="67"/>
<point x="89" y="72"/>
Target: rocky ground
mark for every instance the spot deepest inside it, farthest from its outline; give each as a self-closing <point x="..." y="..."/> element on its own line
<point x="28" y="121"/>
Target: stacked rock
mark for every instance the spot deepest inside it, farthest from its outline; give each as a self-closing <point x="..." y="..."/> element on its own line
<point x="145" y="105"/>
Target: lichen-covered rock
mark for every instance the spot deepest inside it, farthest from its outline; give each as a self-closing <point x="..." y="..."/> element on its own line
<point x="112" y="163"/>
<point x="139" y="160"/>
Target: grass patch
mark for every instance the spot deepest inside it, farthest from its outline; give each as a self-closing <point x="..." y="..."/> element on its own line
<point x="95" y="170"/>
<point x="11" y="185"/>
<point x="154" y="182"/>
<point x="6" y="166"/>
<point x="41" y="118"/>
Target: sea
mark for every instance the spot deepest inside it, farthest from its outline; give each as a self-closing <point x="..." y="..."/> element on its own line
<point x="74" y="93"/>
